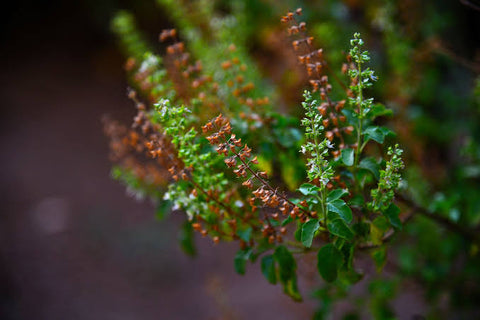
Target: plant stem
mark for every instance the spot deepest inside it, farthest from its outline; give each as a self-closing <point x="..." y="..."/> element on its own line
<point x="359" y="148"/>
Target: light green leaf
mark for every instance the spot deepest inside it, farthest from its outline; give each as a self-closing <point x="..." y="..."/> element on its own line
<point x="339" y="228"/>
<point x="308" y="189"/>
<point x="308" y="231"/>
<point x="329" y="261"/>
<point x="336" y="194"/>
<point x="347" y="156"/>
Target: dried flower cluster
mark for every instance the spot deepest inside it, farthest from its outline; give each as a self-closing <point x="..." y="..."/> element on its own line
<point x="334" y="121"/>
<point x="239" y="156"/>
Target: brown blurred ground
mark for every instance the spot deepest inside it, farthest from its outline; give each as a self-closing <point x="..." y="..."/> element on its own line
<point x="72" y="244"/>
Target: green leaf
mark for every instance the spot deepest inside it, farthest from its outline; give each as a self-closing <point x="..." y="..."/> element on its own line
<point x="336" y="194"/>
<point x="374" y="133"/>
<point x="308" y="189"/>
<point x="329" y="260"/>
<point x="339" y="228"/>
<point x="240" y="260"/>
<point x="357" y="201"/>
<point x="245" y="234"/>
<point x="347" y="156"/>
<point x="376" y="235"/>
<point x="371" y="165"/>
<point x="287" y="221"/>
<point x="378" y="110"/>
<point x="286" y="262"/>
<point x="287" y="268"/>
<point x="298" y="232"/>
<point x="339" y="206"/>
<point x="379" y="256"/>
<point x="308" y="231"/>
<point x="163" y="208"/>
<point x="186" y="239"/>
<point x="392" y="213"/>
<point x="290" y="288"/>
<point x="387" y="132"/>
<point x="268" y="268"/>
<point x="381" y="223"/>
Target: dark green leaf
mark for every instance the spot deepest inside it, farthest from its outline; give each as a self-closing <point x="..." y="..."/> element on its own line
<point x="378" y="110"/>
<point x="357" y="201"/>
<point x="268" y="269"/>
<point x="371" y="165"/>
<point x="330" y="259"/>
<point x="308" y="231"/>
<point x="308" y="189"/>
<point x="163" y="208"/>
<point x="287" y="268"/>
<point x="347" y="251"/>
<point x="374" y="133"/>
<point x="361" y="228"/>
<point x="339" y="206"/>
<point x="240" y="260"/>
<point x="286" y="263"/>
<point x="379" y="256"/>
<point x="245" y="234"/>
<point x="387" y="132"/>
<point x="290" y="288"/>
<point x="336" y="194"/>
<point x="392" y="213"/>
<point x="186" y="239"/>
<point x="339" y="228"/>
<point x="347" y="156"/>
<point x="381" y="223"/>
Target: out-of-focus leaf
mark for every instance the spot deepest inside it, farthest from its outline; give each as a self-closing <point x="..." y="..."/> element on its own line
<point x="240" y="260"/>
<point x="308" y="231"/>
<point x="371" y="165"/>
<point x="186" y="239"/>
<point x="329" y="261"/>
<point x="268" y="268"/>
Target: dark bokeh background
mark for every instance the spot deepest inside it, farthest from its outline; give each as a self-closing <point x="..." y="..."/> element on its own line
<point x="72" y="244"/>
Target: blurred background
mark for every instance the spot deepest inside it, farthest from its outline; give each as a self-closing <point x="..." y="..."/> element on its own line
<point x="74" y="246"/>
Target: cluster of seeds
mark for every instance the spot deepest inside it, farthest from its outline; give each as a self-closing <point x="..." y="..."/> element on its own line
<point x="238" y="156"/>
<point x="312" y="59"/>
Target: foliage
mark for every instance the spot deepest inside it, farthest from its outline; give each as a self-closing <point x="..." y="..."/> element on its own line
<point x="209" y="141"/>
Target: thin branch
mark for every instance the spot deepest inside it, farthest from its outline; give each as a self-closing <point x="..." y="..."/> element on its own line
<point x="467" y="233"/>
